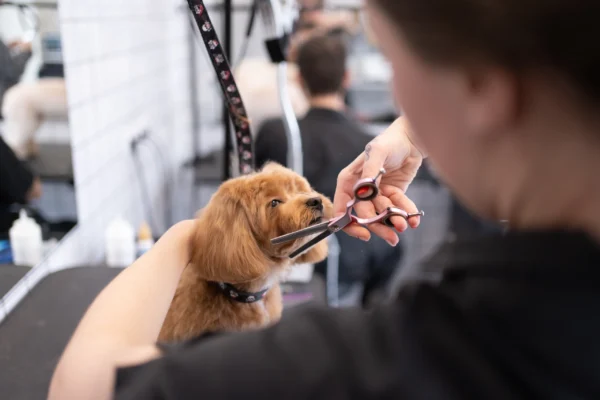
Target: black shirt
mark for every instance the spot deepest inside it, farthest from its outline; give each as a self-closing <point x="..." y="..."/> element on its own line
<point x="499" y="317"/>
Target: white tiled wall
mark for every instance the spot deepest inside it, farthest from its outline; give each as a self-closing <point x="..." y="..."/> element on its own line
<point x="127" y="65"/>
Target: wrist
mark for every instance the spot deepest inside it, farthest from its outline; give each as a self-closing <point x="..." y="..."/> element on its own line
<point x="408" y="133"/>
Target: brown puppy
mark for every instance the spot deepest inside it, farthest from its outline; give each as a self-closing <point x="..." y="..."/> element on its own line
<point x="232" y="245"/>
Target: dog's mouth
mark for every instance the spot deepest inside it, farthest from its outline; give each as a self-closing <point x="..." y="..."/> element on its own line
<point x="316" y="220"/>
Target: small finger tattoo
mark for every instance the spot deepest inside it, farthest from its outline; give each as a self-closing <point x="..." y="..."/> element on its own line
<point x="368" y="152"/>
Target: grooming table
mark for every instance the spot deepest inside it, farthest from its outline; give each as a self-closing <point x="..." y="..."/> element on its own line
<point x="34" y="335"/>
<point x="9" y="276"/>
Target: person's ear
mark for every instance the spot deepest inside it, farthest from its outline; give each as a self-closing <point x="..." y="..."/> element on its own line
<point x="347" y="81"/>
<point x="493" y="101"/>
<point x="302" y="84"/>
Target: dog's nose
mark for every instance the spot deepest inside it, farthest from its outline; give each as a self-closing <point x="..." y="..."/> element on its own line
<point x="315" y="202"/>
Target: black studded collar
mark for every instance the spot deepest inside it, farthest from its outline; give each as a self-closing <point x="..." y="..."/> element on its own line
<point x="240" y="296"/>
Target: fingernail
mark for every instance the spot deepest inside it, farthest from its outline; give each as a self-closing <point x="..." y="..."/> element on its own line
<point x="391" y="243"/>
<point x="365" y="239"/>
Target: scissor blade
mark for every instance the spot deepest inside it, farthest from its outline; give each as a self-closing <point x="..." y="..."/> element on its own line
<point x="311" y="243"/>
<point x="301" y="233"/>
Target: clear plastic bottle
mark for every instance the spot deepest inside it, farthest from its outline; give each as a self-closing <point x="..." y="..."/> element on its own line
<point x="145" y="241"/>
<point x="26" y="241"/>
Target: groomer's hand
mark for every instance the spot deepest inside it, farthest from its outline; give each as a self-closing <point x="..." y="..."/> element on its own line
<point x="394" y="151"/>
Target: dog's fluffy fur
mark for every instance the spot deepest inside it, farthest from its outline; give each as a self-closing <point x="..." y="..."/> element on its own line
<point x="231" y="244"/>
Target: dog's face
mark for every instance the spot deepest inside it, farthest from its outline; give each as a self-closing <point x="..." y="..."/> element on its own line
<point x="236" y="228"/>
<point x="274" y="202"/>
<point x="283" y="202"/>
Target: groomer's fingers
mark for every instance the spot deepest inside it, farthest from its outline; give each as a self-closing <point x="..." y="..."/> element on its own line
<point x="374" y="158"/>
<point x="381" y="204"/>
<point x="366" y="209"/>
<point x="386" y="233"/>
<point x="342" y="198"/>
<point x="355" y="230"/>
<point x="344" y="194"/>
<point x="400" y="200"/>
<point x="358" y="232"/>
<point x="345" y="183"/>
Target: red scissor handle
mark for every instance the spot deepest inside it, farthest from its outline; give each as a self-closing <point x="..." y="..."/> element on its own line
<point x="366" y="189"/>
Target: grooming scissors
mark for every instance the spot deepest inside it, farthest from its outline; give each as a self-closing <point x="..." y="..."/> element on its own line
<point x="364" y="190"/>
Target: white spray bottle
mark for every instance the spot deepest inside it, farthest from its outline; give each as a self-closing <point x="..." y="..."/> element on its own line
<point x="120" y="243"/>
<point x="26" y="241"/>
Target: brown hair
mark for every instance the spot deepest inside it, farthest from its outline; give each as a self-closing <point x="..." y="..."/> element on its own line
<point x="558" y="36"/>
<point x="322" y="63"/>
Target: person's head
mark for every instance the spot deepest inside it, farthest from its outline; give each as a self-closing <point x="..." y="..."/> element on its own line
<point x="497" y="91"/>
<point x="322" y="65"/>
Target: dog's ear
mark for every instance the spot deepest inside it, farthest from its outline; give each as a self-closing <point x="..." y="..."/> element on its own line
<point x="224" y="247"/>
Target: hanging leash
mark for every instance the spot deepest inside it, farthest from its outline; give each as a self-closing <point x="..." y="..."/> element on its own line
<point x="237" y="110"/>
<point x="239" y="117"/>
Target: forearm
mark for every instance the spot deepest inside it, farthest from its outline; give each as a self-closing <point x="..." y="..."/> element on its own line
<point x="128" y="313"/>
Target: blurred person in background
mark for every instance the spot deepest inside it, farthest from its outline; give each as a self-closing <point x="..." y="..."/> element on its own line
<point x="18" y="185"/>
<point x="26" y="106"/>
<point x="313" y="13"/>
<point x="257" y="77"/>
<point x="330" y="141"/>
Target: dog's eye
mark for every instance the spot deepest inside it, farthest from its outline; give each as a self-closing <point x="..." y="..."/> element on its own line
<point x="275" y="203"/>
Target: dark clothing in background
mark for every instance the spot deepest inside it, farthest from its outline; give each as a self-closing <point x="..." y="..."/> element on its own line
<point x="331" y="141"/>
<point x="499" y="317"/>
<point x="15" y="182"/>
<point x="12" y="66"/>
<point x="15" y="178"/>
